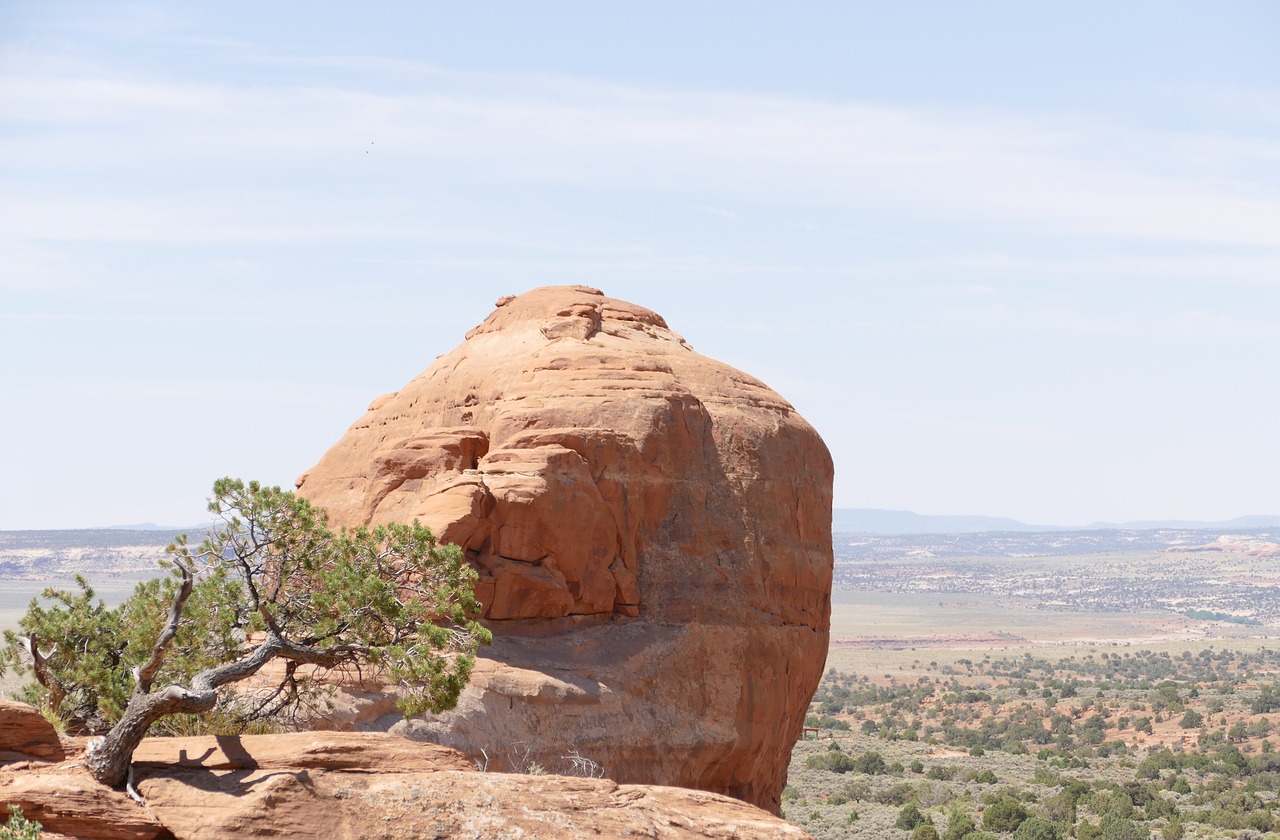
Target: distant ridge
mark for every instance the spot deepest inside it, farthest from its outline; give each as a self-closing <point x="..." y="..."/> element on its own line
<point x="848" y="521"/>
<point x="876" y="521"/>
<point x="899" y="522"/>
<point x="1258" y="521"/>
<point x="151" y="526"/>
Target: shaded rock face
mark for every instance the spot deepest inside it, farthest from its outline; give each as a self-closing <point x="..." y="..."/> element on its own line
<point x="653" y="534"/>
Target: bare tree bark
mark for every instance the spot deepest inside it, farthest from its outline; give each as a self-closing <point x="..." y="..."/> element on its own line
<point x="108" y="759"/>
<point x="40" y="667"/>
<point x="144" y="675"/>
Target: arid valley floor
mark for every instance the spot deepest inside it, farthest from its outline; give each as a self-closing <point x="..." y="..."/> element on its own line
<point x="1111" y="684"/>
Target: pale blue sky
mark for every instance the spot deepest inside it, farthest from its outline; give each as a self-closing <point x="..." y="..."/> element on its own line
<point x="1017" y="259"/>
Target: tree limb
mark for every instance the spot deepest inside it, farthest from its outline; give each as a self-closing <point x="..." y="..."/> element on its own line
<point x="147" y="673"/>
<point x="40" y="667"/>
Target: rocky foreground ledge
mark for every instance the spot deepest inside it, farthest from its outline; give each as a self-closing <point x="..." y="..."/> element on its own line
<point x="339" y="785"/>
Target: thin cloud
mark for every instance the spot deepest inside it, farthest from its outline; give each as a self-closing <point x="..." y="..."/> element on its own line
<point x="717" y="211"/>
<point x="1031" y="175"/>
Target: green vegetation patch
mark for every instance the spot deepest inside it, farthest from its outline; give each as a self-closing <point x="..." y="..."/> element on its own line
<point x="1114" y="743"/>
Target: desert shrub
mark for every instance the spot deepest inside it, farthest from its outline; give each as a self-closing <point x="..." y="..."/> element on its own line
<point x="959" y="825"/>
<point x="835" y="762"/>
<point x="1191" y="720"/>
<point x="1259" y="820"/>
<point x="857" y="790"/>
<point x="1044" y="776"/>
<point x="18" y="827"/>
<point x="930" y="795"/>
<point x="1034" y="828"/>
<point x="1268" y="700"/>
<point x="924" y="831"/>
<point x="1158" y="807"/>
<point x="1006" y="814"/>
<point x="1086" y="830"/>
<point x="577" y="764"/>
<point x="909" y="817"/>
<point x="1113" y="827"/>
<point x="871" y="763"/>
<point x="898" y="794"/>
<point x="1058" y="808"/>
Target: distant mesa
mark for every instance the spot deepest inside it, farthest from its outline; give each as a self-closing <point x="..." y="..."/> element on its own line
<point x="652" y="530"/>
<point x="876" y="521"/>
<point x="902" y="522"/>
<point x="1235" y="544"/>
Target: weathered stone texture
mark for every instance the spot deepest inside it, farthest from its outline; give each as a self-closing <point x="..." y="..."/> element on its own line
<point x="347" y="786"/>
<point x="653" y="532"/>
<point x="24" y="733"/>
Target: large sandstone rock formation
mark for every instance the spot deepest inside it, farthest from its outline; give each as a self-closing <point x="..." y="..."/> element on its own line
<point x="653" y="532"/>
<point x="355" y="786"/>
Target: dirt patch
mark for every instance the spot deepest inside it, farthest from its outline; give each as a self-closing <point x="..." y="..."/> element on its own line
<point x="961" y="642"/>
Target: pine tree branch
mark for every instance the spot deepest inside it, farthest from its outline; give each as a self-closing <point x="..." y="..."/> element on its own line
<point x="146" y="674"/>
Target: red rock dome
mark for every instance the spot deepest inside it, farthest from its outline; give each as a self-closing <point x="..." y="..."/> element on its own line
<point x="653" y="532"/>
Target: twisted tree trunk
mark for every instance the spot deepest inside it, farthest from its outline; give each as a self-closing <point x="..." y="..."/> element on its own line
<point x="40" y="667"/>
<point x="108" y="759"/>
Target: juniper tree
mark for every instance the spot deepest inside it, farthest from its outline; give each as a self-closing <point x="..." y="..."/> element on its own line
<point x="82" y="652"/>
<point x="271" y="582"/>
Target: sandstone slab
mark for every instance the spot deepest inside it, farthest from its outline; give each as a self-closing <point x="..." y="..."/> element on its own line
<point x="66" y="801"/>
<point x="24" y="733"/>
<point x="195" y="805"/>
<point x="349" y="786"/>
<point x="352" y="751"/>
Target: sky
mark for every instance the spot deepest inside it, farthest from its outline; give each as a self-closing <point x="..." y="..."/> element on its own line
<point x="1010" y="259"/>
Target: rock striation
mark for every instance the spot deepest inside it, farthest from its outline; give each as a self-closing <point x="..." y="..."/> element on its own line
<point x="25" y="733"/>
<point x="352" y="786"/>
<point x="652" y="530"/>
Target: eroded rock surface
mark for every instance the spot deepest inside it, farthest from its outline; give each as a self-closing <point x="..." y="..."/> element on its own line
<point x="348" y="786"/>
<point x="24" y="733"/>
<point x="653" y="532"/>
